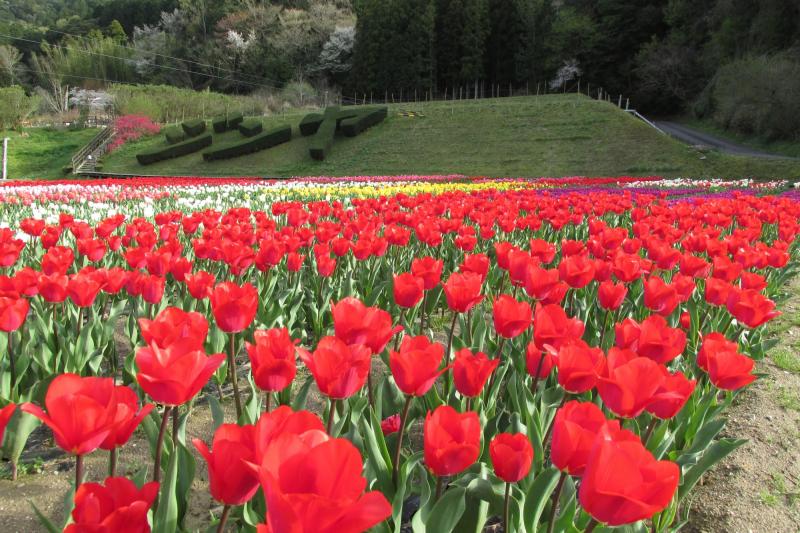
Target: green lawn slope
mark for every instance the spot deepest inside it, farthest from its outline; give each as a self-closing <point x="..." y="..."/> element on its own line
<point x="553" y="135"/>
<point x="42" y="153"/>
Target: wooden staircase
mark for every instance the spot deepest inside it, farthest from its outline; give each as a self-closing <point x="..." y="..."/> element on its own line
<point x="85" y="160"/>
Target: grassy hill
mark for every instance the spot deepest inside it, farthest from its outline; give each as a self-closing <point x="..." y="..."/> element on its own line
<point x="553" y="135"/>
<point x="42" y="153"/>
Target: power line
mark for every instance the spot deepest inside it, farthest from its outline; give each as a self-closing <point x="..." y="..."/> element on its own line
<point x="153" y="64"/>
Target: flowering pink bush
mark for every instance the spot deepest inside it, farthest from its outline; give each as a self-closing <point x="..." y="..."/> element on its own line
<point x="132" y="127"/>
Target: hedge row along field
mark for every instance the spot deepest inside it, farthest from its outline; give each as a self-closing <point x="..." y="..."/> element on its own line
<point x="387" y="353"/>
<point x="350" y="122"/>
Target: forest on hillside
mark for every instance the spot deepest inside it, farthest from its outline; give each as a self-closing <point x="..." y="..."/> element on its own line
<point x="736" y="61"/>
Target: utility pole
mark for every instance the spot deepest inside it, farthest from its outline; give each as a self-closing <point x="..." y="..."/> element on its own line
<point x="5" y="158"/>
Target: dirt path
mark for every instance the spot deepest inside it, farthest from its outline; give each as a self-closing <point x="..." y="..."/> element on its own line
<point x="757" y="488"/>
<point x="697" y="137"/>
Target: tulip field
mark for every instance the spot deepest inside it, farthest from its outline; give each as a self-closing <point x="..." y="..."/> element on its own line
<point x="387" y="354"/>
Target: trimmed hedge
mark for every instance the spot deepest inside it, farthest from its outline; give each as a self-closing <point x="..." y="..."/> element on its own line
<point x="310" y="124"/>
<point x="251" y="127"/>
<point x="220" y="124"/>
<point x="262" y="141"/>
<point x="176" y="150"/>
<point x="322" y="141"/>
<point x="194" y="127"/>
<point x="234" y="120"/>
<point x="174" y="135"/>
<point x="367" y="118"/>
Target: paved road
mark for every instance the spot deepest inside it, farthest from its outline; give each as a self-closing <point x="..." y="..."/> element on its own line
<point x="695" y="137"/>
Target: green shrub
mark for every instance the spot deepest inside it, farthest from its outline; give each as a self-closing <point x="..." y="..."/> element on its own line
<point x="220" y="124"/>
<point x="262" y="141"/>
<point x="759" y="96"/>
<point x="194" y="127"/>
<point x="366" y="118"/>
<point x="310" y="124"/>
<point x="251" y="127"/>
<point x="174" y="135"/>
<point x="234" y="120"/>
<point x="176" y="150"/>
<point x="323" y="140"/>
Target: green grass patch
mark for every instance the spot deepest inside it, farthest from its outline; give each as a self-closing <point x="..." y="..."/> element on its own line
<point x="42" y="152"/>
<point x="552" y="135"/>
<point x="785" y="359"/>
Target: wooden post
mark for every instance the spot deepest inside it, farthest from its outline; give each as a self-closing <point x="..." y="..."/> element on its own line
<point x="5" y="158"/>
<point x="627" y="104"/>
<point x="537" y="89"/>
<point x="445" y="92"/>
<point x="510" y="90"/>
<point x="619" y="104"/>
<point x="526" y="88"/>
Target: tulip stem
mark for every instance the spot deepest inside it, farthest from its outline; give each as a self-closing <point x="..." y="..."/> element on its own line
<point x="112" y="462"/>
<point x="556" y="495"/>
<point x="234" y="378"/>
<point x="400" y="321"/>
<point x="590" y="526"/>
<point x="422" y="313"/>
<point x="506" y="504"/>
<point x="370" y="394"/>
<point x="175" y="416"/>
<point x="224" y="518"/>
<point x="396" y="464"/>
<point x="499" y="356"/>
<point x="439" y="487"/>
<point x="330" y="416"/>
<point x="11" y="361"/>
<point x="78" y="471"/>
<point x="268" y="402"/>
<point x="447" y="357"/>
<point x="603" y="332"/>
<point x="649" y="431"/>
<point x="536" y="377"/>
<point x="160" y="443"/>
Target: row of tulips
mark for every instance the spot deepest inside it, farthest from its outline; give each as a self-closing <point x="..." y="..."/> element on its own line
<point x="568" y="359"/>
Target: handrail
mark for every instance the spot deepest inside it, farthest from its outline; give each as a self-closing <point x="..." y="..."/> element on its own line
<point x="97" y="142"/>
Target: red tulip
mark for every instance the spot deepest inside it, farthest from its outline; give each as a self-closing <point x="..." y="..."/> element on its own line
<point x="304" y="493"/>
<point x="175" y="374"/>
<point x="544" y="285"/>
<point x="53" y="288"/>
<point x="231" y="480"/>
<point x="717" y="291"/>
<point x="153" y="289"/>
<point x="477" y="263"/>
<point x="578" y="366"/>
<point x="429" y="269"/>
<point x="575" y="429"/>
<point x="610" y="295"/>
<point x="539" y="363"/>
<point x="750" y="307"/>
<point x="660" y="297"/>
<point x="576" y="271"/>
<point x="282" y="421"/>
<point x="272" y="359"/>
<point x="81" y="412"/>
<point x="512" y="456"/>
<point x="685" y="320"/>
<point x="234" y="306"/>
<point x="623" y="483"/>
<point x="408" y="290"/>
<point x="671" y="395"/>
<point x="390" y="424"/>
<point x="552" y="326"/>
<point x="652" y="338"/>
<point x="13" y="312"/>
<point x="57" y="260"/>
<point x="730" y="370"/>
<point x="294" y="261"/>
<point x="628" y="383"/>
<point x="510" y="316"/>
<point x="173" y="325"/>
<point x="82" y="289"/>
<point x="463" y="291"/>
<point x="339" y="369"/>
<point x="472" y="371"/>
<point x="713" y="343"/>
<point x="5" y="416"/>
<point x="452" y="440"/>
<point x="117" y="505"/>
<point x="355" y="323"/>
<point x="127" y="417"/>
<point x="416" y="366"/>
<point x="200" y="284"/>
